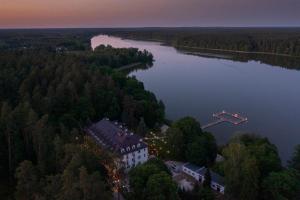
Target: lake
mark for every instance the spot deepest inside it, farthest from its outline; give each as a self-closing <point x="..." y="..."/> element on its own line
<point x="198" y="86"/>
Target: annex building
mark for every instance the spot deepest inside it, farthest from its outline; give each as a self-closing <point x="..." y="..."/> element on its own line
<point x="198" y="173"/>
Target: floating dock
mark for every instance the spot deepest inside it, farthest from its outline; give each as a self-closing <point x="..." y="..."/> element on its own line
<point x="233" y="118"/>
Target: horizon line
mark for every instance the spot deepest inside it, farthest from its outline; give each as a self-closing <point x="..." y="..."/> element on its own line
<point x="144" y="27"/>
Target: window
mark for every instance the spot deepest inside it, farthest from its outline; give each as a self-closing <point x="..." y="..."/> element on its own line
<point x="138" y="145"/>
<point x="133" y="146"/>
<point x="128" y="148"/>
<point x="122" y="150"/>
<point x="139" y="151"/>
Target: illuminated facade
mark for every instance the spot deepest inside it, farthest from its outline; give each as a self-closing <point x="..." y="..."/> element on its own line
<point x="115" y="137"/>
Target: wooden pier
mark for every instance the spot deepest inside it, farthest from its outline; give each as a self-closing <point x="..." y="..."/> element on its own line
<point x="233" y="118"/>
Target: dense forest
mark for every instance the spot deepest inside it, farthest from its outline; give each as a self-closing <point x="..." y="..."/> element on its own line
<point x="73" y="39"/>
<point x="48" y="93"/>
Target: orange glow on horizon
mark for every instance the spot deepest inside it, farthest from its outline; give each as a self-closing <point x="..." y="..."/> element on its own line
<point x="112" y="13"/>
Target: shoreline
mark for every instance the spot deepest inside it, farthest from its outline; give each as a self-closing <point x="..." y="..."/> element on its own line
<point x="124" y="67"/>
<point x="165" y="43"/>
<point x="236" y="51"/>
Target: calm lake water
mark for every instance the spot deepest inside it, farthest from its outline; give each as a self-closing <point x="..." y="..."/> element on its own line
<point x="198" y="86"/>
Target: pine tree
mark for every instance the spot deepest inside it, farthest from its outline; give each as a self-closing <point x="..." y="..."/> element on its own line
<point x="295" y="161"/>
<point x="92" y="186"/>
<point x="27" y="181"/>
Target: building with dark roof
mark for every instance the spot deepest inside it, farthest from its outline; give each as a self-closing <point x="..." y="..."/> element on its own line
<point x="115" y="137"/>
<point x="217" y="181"/>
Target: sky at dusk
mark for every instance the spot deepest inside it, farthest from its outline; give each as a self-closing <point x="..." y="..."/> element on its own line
<point x="143" y="13"/>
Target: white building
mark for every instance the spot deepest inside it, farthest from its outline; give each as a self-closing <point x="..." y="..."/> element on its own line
<point x="191" y="170"/>
<point x="217" y="182"/>
<point x="174" y="166"/>
<point x="117" y="138"/>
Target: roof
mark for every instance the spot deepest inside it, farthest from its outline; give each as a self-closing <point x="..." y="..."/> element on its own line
<point x="174" y="163"/>
<point x="115" y="136"/>
<point x="164" y="128"/>
<point x="192" y="167"/>
<point x="219" y="158"/>
<point x="214" y="176"/>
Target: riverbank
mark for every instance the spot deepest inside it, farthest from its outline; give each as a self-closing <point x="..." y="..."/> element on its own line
<point x="234" y="51"/>
<point x="166" y="43"/>
<point x="125" y="67"/>
<point x="208" y="55"/>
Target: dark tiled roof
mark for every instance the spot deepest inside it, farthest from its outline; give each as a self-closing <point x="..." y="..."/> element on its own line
<point x="115" y="136"/>
<point x="214" y="176"/>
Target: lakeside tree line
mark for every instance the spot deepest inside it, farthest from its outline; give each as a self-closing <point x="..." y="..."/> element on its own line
<point x="273" y="60"/>
<point x="46" y="98"/>
<point x="270" y="40"/>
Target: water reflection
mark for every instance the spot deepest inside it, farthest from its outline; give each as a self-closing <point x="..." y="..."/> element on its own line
<point x="279" y="61"/>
